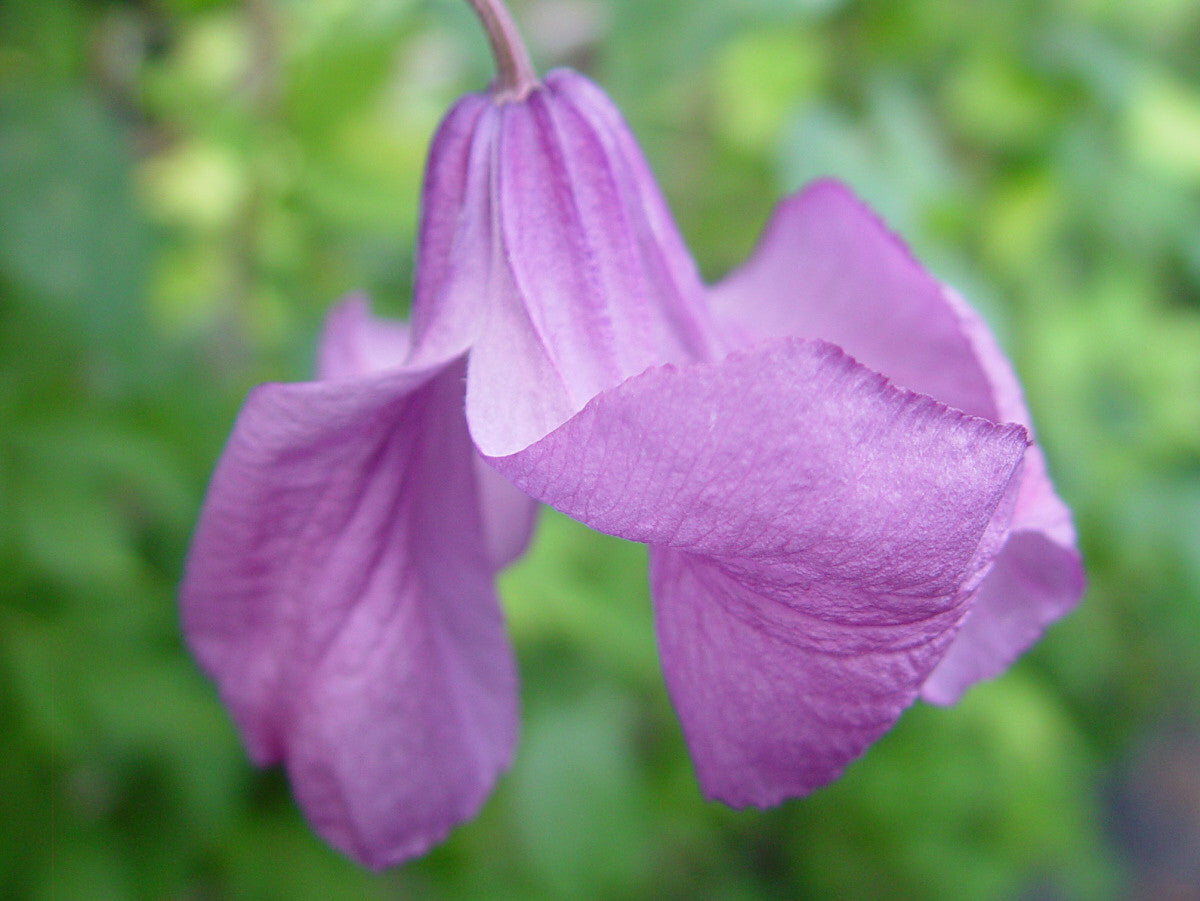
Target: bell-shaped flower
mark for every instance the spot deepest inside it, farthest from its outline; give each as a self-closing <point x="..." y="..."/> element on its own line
<point x="826" y="454"/>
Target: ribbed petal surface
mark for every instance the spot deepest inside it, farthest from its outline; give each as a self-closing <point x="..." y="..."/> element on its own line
<point x="579" y="280"/>
<point x="452" y="262"/>
<point x="815" y="533"/>
<point x="826" y="267"/>
<point x="339" y="592"/>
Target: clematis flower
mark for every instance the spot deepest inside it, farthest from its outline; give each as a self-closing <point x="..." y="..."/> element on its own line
<point x="826" y="454"/>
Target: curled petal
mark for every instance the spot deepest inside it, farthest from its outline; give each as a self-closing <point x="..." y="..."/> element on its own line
<point x="1038" y="575"/>
<point x="508" y="515"/>
<point x="1033" y="582"/>
<point x="806" y="518"/>
<point x="355" y="344"/>
<point x="827" y="267"/>
<point x="791" y="451"/>
<point x="339" y="592"/>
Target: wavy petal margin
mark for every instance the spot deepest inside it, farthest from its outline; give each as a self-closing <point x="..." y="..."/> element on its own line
<point x="816" y="535"/>
<point x="827" y="267"/>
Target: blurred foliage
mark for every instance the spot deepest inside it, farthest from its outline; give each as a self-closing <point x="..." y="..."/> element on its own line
<point x="185" y="185"/>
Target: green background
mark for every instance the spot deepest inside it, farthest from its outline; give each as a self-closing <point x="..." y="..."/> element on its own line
<point x="185" y="187"/>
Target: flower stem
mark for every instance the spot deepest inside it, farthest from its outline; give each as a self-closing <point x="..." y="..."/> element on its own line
<point x="515" y="76"/>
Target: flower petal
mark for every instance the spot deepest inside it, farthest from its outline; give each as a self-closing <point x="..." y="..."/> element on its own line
<point x="789" y="447"/>
<point x="1038" y="576"/>
<point x="1034" y="582"/>
<point x="508" y="515"/>
<point x="339" y="592"/>
<point x="776" y="700"/>
<point x="354" y="344"/>
<point x="814" y="529"/>
<point x="447" y="305"/>
<point x="827" y="267"/>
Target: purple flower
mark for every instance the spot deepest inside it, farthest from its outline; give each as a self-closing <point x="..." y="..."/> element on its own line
<point x="826" y="453"/>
